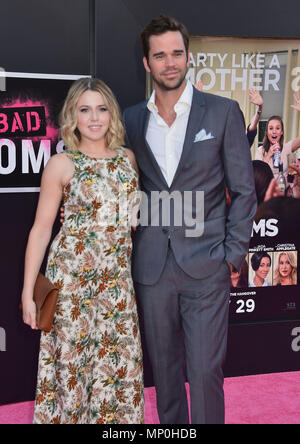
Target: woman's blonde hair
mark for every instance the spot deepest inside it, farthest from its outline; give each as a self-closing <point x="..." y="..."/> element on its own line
<point x="68" y="116"/>
<point x="292" y="261"/>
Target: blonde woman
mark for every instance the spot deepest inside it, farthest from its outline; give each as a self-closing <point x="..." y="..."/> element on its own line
<point x="90" y="364"/>
<point x="286" y="270"/>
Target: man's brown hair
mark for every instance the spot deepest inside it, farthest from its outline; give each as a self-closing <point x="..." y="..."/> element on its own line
<point x="161" y="25"/>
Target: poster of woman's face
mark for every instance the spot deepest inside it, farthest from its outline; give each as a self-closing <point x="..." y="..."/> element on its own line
<point x="260" y="269"/>
<point x="285" y="268"/>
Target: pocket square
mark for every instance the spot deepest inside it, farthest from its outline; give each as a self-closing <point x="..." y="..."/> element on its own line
<point x="203" y="136"/>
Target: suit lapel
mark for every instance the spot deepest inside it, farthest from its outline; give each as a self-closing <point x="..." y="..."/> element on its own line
<point x="194" y="123"/>
<point x="146" y="152"/>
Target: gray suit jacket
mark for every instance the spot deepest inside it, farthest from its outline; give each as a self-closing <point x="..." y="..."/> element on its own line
<point x="208" y="166"/>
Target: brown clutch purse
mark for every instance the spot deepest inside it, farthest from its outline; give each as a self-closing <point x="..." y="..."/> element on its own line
<point x="45" y="296"/>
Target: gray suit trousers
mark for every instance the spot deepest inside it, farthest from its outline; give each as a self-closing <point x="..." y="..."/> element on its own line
<point x="185" y="324"/>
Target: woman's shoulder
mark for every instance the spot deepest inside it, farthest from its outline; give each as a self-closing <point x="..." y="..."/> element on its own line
<point x="59" y="167"/>
<point x="58" y="160"/>
<point x="287" y="147"/>
<point x="259" y="153"/>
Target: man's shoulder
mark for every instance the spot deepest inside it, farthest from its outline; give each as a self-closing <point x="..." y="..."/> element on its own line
<point x="222" y="106"/>
<point x="214" y="99"/>
<point x="131" y="110"/>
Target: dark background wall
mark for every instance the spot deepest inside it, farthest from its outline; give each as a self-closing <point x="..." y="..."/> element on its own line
<point x="101" y="37"/>
<point x="45" y="36"/>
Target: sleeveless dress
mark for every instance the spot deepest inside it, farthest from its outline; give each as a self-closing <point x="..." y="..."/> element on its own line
<point x="90" y="364"/>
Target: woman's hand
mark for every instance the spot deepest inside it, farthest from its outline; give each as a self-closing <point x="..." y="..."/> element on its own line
<point x="272" y="150"/>
<point x="296" y="167"/>
<point x="296" y="182"/>
<point x="199" y="85"/>
<point x="29" y="313"/>
<point x="255" y="97"/>
<point x="297" y="101"/>
<point x="272" y="191"/>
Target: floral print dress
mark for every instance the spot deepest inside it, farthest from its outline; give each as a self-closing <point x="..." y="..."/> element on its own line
<point x="90" y="364"/>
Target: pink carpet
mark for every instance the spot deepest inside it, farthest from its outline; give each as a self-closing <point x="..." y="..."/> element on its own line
<point x="259" y="399"/>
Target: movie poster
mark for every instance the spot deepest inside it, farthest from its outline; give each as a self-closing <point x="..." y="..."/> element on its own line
<point x="263" y="76"/>
<point x="29" y="109"/>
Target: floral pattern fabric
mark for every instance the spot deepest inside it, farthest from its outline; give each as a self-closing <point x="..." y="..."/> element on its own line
<point x="90" y="364"/>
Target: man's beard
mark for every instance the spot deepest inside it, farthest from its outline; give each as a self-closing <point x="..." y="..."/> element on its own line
<point x="169" y="87"/>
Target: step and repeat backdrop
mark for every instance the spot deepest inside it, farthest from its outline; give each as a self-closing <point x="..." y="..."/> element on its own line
<point x="263" y="75"/>
<point x="29" y="109"/>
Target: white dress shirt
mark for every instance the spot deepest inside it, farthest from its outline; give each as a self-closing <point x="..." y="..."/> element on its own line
<point x="166" y="142"/>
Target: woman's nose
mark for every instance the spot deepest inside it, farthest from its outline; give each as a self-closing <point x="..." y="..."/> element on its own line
<point x="94" y="115"/>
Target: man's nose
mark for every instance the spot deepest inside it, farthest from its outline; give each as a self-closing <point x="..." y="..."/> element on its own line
<point x="170" y="60"/>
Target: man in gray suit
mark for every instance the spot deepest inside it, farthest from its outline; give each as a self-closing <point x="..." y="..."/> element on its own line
<point x="187" y="143"/>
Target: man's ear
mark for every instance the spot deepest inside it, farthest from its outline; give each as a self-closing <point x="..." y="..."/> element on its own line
<point x="145" y="61"/>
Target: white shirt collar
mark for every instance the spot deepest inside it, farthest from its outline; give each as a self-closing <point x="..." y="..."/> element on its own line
<point x="185" y="98"/>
